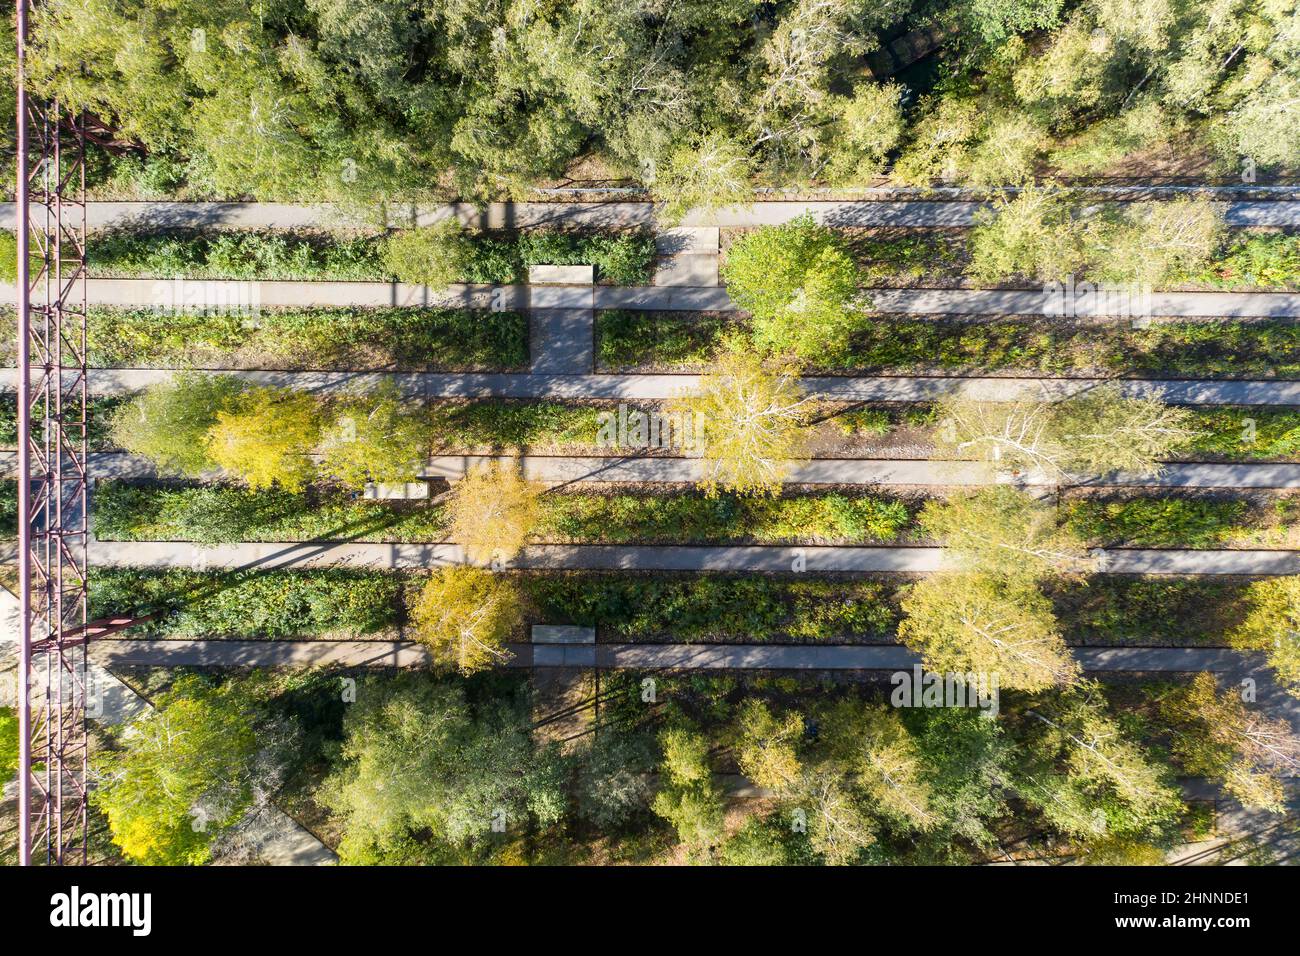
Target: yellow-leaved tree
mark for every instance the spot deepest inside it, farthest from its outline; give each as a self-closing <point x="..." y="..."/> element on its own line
<point x="492" y="511"/>
<point x="754" y="421"/>
<point x="266" y="437"/>
<point x="465" y="615"/>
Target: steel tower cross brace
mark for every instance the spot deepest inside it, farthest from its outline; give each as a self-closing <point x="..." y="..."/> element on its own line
<point x="53" y="521"/>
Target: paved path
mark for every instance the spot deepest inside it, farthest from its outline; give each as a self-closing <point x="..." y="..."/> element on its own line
<point x="902" y="388"/>
<point x="608" y="215"/>
<point x="278" y="838"/>
<point x="890" y="657"/>
<point x="845" y="471"/>
<point x="561" y="469"/>
<point x="562" y="341"/>
<point x="671" y="294"/>
<point x="697" y="558"/>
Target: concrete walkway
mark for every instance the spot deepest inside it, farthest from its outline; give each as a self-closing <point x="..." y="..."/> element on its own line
<point x="693" y="558"/>
<point x="889" y="657"/>
<point x="553" y="470"/>
<point x="601" y="215"/>
<point x="560" y="469"/>
<point x="902" y="388"/>
<point x="279" y="839"/>
<point x="671" y="293"/>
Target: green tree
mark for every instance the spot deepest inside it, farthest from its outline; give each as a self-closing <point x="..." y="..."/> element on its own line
<point x="416" y="756"/>
<point x="869" y="126"/>
<point x="800" y="285"/>
<point x="613" y="780"/>
<point x="436" y="256"/>
<point x="266" y="436"/>
<point x="980" y="624"/>
<point x="1083" y="773"/>
<point x="1272" y="623"/>
<point x="493" y="511"/>
<point x="688" y="797"/>
<point x="183" y="776"/>
<point x="767" y="747"/>
<point x="1214" y="735"/>
<point x="870" y="743"/>
<point x="378" y="437"/>
<point x="714" y="170"/>
<point x="1004" y="531"/>
<point x="1096" y="432"/>
<point x="1033" y="234"/>
<point x="168" y="423"/>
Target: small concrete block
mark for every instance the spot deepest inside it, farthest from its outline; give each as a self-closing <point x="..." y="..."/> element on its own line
<point x="548" y="656"/>
<point x="561" y="297"/>
<point x="399" y="491"/>
<point x="687" y="241"/>
<point x="688" y="270"/>
<point x="561" y="275"/>
<point x="578" y="655"/>
<point x="563" y="634"/>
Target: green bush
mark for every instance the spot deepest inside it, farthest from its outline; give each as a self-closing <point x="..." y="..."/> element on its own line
<point x="507" y="424"/>
<point x="1263" y="260"/>
<point x="8" y="742"/>
<point x="353" y="339"/>
<point x="712" y="607"/>
<point x="1164" y="522"/>
<point x="1192" y="349"/>
<point x="692" y="518"/>
<point x="639" y="339"/>
<point x="214" y="514"/>
<point x="236" y="255"/>
<point x="1247" y="433"/>
<point x="436" y="255"/>
<point x="8" y="508"/>
<point x="101" y="412"/>
<point x="251" y="605"/>
<point x="1166" y="611"/>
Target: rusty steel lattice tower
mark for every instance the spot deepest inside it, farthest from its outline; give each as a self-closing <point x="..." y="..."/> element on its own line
<point x="53" y="523"/>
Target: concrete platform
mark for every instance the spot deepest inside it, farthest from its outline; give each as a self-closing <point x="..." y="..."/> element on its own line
<point x="561" y="275"/>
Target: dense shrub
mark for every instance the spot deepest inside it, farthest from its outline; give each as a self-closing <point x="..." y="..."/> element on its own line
<point x="710" y="606"/>
<point x="1164" y="522"/>
<point x="1109" y="609"/>
<point x="352" y="339"/>
<point x="1193" y="349"/>
<point x="511" y="424"/>
<point x="235" y="255"/>
<point x="438" y="255"/>
<point x="251" y="605"/>
<point x="213" y="514"/>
